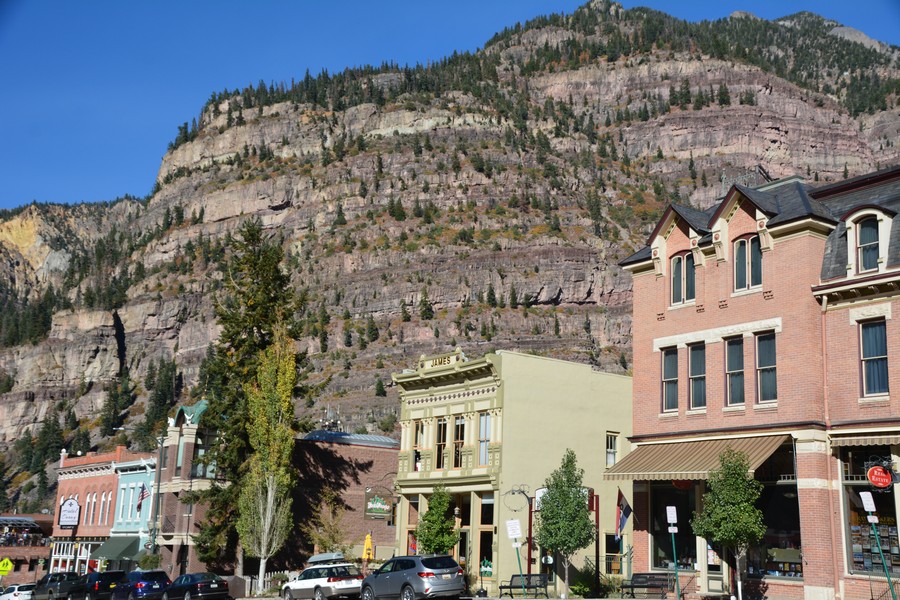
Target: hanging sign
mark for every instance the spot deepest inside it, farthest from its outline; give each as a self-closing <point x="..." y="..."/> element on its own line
<point x="513" y="529"/>
<point x="68" y="514"/>
<point x="879" y="476"/>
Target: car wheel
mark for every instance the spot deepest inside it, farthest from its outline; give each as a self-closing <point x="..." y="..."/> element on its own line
<point x="287" y="595"/>
<point x="407" y="593"/>
<point x="319" y="594"/>
<point x="165" y="596"/>
<point x="87" y="597"/>
<point x="130" y="596"/>
<point x="187" y="596"/>
<point x="368" y="594"/>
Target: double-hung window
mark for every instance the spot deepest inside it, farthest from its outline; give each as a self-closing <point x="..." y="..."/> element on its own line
<point x="683" y="289"/>
<point x="484" y="437"/>
<point x="747" y="264"/>
<point x="766" y="374"/>
<point x="612" y="441"/>
<point x="670" y="379"/>
<point x="459" y="438"/>
<point x="734" y="371"/>
<point x="867" y="245"/>
<point x="440" y="443"/>
<point x="697" y="359"/>
<point x="873" y="353"/>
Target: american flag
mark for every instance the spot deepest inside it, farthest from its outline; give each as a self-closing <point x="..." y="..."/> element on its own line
<point x="145" y="493"/>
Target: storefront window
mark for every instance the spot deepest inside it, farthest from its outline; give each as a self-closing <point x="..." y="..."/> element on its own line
<point x="661" y="496"/>
<point x="863" y="556"/>
<point x="778" y="553"/>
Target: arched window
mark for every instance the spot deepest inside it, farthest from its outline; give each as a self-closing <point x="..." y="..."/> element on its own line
<point x="747" y="264"/>
<point x="683" y="288"/>
<point x="102" y="506"/>
<point x="867" y="245"/>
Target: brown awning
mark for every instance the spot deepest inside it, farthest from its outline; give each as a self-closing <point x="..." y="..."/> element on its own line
<point x="866" y="440"/>
<point x="690" y="460"/>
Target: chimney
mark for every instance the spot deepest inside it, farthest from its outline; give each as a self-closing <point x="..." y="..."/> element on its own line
<point x="62" y="458"/>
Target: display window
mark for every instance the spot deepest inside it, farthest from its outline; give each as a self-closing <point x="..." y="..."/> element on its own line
<point x="864" y="539"/>
<point x="685" y="543"/>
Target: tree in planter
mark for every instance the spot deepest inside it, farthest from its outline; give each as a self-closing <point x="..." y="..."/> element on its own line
<point x="565" y="523"/>
<point x="436" y="532"/>
<point x="730" y="516"/>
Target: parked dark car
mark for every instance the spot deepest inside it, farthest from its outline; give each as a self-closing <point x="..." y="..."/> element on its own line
<point x="414" y="578"/>
<point x="193" y="586"/>
<point x="143" y="585"/>
<point x="97" y="586"/>
<point x="54" y="585"/>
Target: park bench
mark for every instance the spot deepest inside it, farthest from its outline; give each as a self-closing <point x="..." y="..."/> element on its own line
<point x="531" y="583"/>
<point x="652" y="585"/>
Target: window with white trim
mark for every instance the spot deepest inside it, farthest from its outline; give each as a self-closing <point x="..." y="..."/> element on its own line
<point x="873" y="356"/>
<point x="867" y="245"/>
<point x="440" y="443"/>
<point x="484" y="437"/>
<point x="734" y="371"/>
<point x="766" y="373"/>
<point x="683" y="283"/>
<point x="612" y="443"/>
<point x="670" y="379"/>
<point x="747" y="264"/>
<point x="697" y="372"/>
<point x="459" y="438"/>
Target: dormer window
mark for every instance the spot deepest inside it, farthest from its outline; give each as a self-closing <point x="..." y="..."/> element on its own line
<point x="747" y="264"/>
<point x="683" y="289"/>
<point x="867" y="245"/>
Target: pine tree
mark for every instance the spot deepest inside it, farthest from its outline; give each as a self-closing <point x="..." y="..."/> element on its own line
<point x="426" y="311"/>
<point x="379" y="388"/>
<point x="257" y="294"/>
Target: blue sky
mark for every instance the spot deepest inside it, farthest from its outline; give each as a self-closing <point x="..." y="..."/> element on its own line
<point x="94" y="91"/>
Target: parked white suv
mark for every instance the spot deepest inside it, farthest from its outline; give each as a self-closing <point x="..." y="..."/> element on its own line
<point x="324" y="579"/>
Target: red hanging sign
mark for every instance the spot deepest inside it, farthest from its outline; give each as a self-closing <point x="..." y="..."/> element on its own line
<point x="879" y="476"/>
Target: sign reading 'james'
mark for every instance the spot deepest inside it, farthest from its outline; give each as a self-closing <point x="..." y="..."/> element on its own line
<point x="68" y="514"/>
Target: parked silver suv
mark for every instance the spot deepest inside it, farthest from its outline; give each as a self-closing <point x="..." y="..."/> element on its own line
<point x="415" y="578"/>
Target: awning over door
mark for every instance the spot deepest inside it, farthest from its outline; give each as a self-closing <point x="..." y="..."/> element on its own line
<point x="690" y="460"/>
<point x="118" y="548"/>
<point x="866" y="440"/>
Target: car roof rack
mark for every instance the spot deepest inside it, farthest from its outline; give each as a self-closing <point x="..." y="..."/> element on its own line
<point x="325" y="558"/>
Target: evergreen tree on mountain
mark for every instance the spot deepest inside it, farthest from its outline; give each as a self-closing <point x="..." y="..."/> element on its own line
<point x="257" y="293"/>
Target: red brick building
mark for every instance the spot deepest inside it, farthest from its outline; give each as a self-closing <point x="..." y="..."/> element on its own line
<point x="346" y="464"/>
<point x="764" y="323"/>
<point x="25" y="541"/>
<point x="92" y="481"/>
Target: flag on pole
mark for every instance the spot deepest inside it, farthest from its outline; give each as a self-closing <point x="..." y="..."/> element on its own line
<point x="623" y="511"/>
<point x="145" y="493"/>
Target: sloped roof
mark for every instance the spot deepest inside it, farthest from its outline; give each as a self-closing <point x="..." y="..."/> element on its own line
<point x="352" y="439"/>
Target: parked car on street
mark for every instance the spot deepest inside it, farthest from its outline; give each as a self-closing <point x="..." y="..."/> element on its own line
<point x="194" y="586"/>
<point x="54" y="585"/>
<point x="414" y="578"/>
<point x="143" y="585"/>
<point x="322" y="581"/>
<point x="21" y="591"/>
<point x="97" y="586"/>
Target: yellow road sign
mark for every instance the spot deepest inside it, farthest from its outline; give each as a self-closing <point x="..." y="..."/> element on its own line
<point x="6" y="566"/>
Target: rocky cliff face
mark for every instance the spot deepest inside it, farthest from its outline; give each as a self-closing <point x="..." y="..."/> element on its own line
<point x="513" y="222"/>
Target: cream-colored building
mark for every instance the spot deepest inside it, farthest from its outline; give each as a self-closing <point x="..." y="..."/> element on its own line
<point x="492" y="430"/>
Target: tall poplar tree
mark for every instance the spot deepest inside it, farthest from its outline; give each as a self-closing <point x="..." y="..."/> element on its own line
<point x="265" y="501"/>
<point x="257" y="293"/>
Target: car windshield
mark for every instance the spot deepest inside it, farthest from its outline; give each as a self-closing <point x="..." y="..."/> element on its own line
<point x="439" y="562"/>
<point x="345" y="571"/>
<point x="208" y="577"/>
<point x="111" y="576"/>
<point x="154" y="576"/>
<point x="26" y="588"/>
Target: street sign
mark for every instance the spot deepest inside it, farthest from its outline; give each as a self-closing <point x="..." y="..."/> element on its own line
<point x="513" y="529"/>
<point x="6" y="566"/>
<point x="671" y="514"/>
<point x="868" y="501"/>
<point x="673" y="529"/>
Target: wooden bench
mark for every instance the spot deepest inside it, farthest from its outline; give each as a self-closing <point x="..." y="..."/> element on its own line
<point x="534" y="582"/>
<point x="653" y="585"/>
